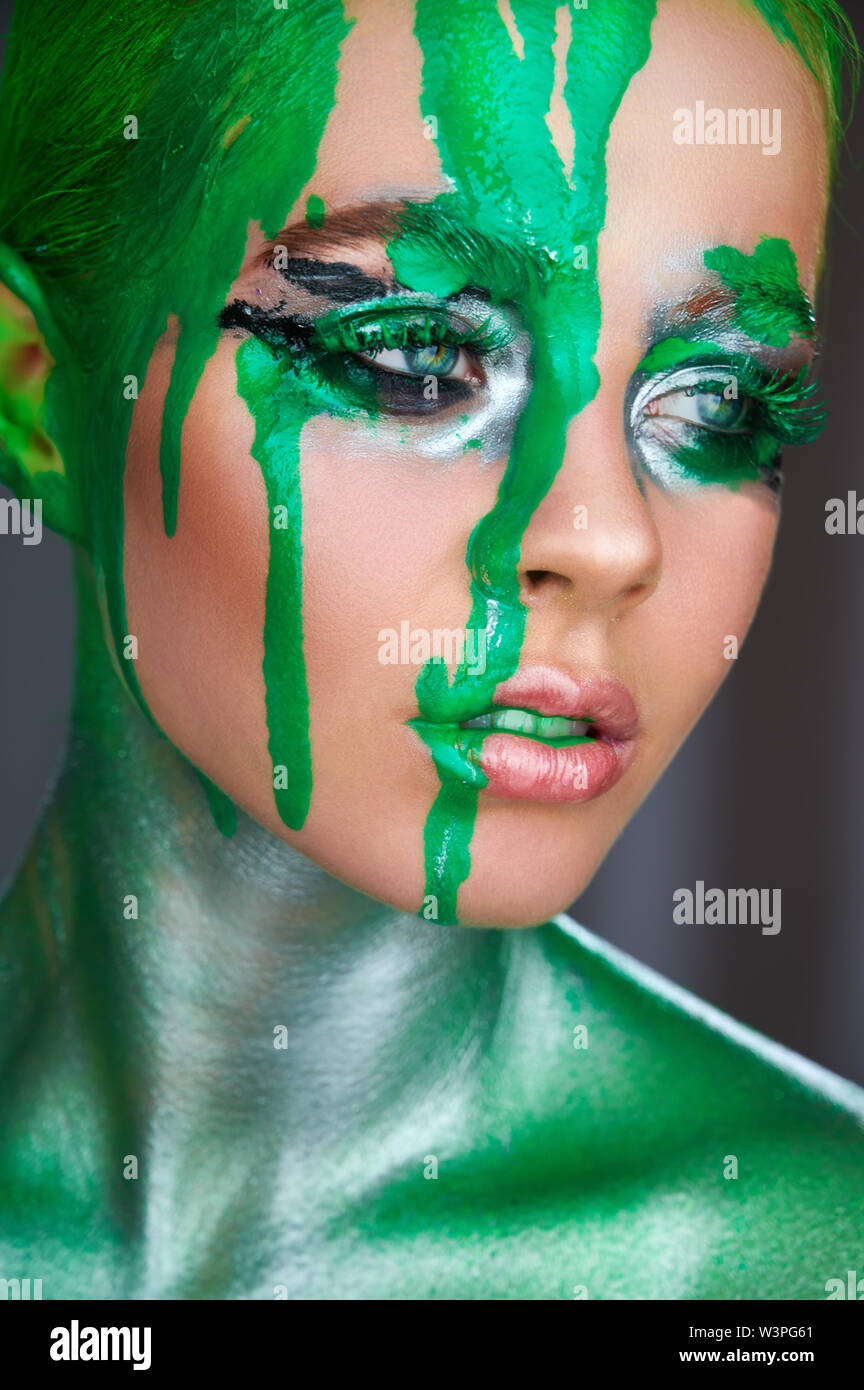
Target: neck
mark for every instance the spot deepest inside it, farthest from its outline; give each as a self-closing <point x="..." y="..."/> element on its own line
<point x="221" y="983"/>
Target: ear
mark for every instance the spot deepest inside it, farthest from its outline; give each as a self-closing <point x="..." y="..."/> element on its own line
<point x="30" y="346"/>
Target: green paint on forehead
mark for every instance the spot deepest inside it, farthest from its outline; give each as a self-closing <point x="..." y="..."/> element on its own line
<point x="770" y="304"/>
<point x="314" y="210"/>
<point x="489" y="100"/>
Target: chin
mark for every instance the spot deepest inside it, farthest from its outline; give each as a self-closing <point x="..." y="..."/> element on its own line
<point x="520" y="878"/>
<point x="528" y="908"/>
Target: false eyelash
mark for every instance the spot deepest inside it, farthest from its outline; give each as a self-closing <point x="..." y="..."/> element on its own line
<point x="789" y="407"/>
<point x="373" y="332"/>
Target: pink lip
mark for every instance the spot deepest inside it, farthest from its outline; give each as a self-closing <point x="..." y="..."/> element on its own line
<point x="523" y="768"/>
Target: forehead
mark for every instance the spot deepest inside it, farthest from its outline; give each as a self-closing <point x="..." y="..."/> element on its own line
<point x="665" y="201"/>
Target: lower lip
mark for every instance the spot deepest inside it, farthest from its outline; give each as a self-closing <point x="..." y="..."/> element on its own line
<point x="521" y="768"/>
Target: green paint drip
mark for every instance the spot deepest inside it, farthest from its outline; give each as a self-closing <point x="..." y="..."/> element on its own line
<point x="770" y="305"/>
<point x="266" y="382"/>
<point x="447" y="839"/>
<point x="314" y="210"/>
<point x="418" y="270"/>
<point x="256" y="174"/>
<point x="490" y="106"/>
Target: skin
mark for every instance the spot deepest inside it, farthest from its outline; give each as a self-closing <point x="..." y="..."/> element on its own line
<point x="275" y="1038"/>
<point x="385" y="538"/>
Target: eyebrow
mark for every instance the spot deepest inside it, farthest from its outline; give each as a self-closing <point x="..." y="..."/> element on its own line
<point x="709" y="305"/>
<point x="710" y="308"/>
<point x="337" y="281"/>
<point x="360" y="222"/>
<point x="439" y="229"/>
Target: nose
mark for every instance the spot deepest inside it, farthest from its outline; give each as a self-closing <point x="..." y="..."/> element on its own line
<point x="592" y="541"/>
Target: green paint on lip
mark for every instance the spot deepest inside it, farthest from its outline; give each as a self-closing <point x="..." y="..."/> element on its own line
<point x="490" y="105"/>
<point x="770" y="304"/>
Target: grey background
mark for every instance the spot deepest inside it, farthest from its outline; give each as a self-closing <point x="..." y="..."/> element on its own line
<point x="766" y="793"/>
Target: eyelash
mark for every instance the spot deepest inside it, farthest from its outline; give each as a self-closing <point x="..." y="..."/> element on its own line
<point x="374" y="331"/>
<point x="790" y="409"/>
<point x="370" y="331"/>
<point x="332" y="353"/>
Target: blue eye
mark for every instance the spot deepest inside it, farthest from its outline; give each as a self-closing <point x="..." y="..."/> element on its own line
<point x="701" y="406"/>
<point x="716" y="410"/>
<point x="437" y="358"/>
<point x="433" y="359"/>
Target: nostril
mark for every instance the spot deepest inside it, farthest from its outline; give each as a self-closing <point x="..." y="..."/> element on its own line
<point x="537" y="578"/>
<point x="543" y="581"/>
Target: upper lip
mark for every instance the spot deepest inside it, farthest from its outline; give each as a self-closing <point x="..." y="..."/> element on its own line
<point x="546" y="690"/>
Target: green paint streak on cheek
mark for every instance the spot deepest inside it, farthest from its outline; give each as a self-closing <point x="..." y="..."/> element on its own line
<point x="770" y="304"/>
<point x="265" y="169"/>
<point x="510" y="182"/>
<point x="256" y="177"/>
<point x="265" y="383"/>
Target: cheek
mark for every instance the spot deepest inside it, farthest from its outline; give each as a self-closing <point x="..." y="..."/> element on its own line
<point x="195" y="600"/>
<point x="717" y="548"/>
<point x="384" y="537"/>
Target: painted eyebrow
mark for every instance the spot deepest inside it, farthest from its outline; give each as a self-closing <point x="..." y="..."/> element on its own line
<point x="336" y="281"/>
<point x="709" y="308"/>
<point x="357" y="223"/>
<point x="458" y="241"/>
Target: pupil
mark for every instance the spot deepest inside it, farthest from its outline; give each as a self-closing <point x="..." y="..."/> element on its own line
<point x="435" y="357"/>
<point x="715" y="409"/>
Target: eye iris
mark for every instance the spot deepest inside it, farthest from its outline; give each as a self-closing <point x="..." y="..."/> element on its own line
<point x="436" y="358"/>
<point x="717" y="410"/>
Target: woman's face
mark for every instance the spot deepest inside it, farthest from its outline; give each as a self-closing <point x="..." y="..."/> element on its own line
<point x="636" y="563"/>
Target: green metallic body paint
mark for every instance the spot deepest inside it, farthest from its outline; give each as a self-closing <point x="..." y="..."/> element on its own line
<point x="222" y="808"/>
<point x="490" y="106"/>
<point x="302" y="1170"/>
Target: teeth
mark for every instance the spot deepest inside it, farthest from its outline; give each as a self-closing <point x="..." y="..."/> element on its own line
<point x="522" y="721"/>
<point x="516" y="721"/>
<point x="556" y="727"/>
